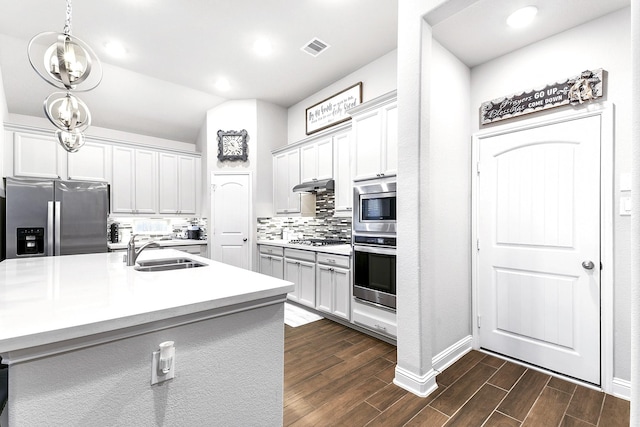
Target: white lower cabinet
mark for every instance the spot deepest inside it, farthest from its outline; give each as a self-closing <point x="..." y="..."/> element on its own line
<point x="300" y="268"/>
<point x="333" y="285"/>
<point x="375" y="318"/>
<point x="271" y="261"/>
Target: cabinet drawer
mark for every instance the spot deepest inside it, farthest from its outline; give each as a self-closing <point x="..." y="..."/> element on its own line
<point x="333" y="260"/>
<point x="271" y="250"/>
<point x="376" y="319"/>
<point x="301" y="255"/>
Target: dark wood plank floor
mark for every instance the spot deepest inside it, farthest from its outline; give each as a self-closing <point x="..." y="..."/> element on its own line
<point x="335" y="376"/>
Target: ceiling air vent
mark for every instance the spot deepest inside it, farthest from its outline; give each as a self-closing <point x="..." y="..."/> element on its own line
<point x="315" y="47"/>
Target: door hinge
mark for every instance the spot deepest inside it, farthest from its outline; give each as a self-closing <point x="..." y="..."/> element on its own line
<point x="479" y="321"/>
<point x="478" y="168"/>
<point x="478" y="244"/>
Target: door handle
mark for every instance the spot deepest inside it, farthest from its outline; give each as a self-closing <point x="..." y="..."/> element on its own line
<point x="57" y="213"/>
<point x="50" y="228"/>
<point x="587" y="265"/>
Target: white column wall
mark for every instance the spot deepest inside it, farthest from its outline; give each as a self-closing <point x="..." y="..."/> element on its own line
<point x="635" y="214"/>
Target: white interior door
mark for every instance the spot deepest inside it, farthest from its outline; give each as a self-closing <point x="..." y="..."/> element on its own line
<point x="539" y="246"/>
<point x="231" y="212"/>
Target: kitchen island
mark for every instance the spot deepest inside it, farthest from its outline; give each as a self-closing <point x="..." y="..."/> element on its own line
<point x="78" y="333"/>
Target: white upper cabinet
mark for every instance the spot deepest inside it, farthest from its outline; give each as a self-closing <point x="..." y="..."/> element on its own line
<point x="375" y="138"/>
<point x="134" y="187"/>
<point x="342" y="173"/>
<point x="168" y="180"/>
<point x="91" y="163"/>
<point x="317" y="160"/>
<point x="41" y="156"/>
<point x="286" y="174"/>
<point x="122" y="187"/>
<point x="177" y="178"/>
<point x="188" y="172"/>
<point x="146" y="184"/>
<point x="38" y="156"/>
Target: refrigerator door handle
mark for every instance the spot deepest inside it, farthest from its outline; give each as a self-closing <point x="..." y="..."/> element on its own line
<point x="57" y="214"/>
<point x="50" y="228"/>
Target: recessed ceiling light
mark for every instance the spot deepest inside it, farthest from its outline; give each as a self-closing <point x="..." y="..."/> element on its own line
<point x="115" y="49"/>
<point x="522" y="17"/>
<point x="222" y="84"/>
<point x="262" y="47"/>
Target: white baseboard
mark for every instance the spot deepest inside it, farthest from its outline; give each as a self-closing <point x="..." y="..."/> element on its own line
<point x="421" y="386"/>
<point x="446" y="358"/>
<point x="425" y="384"/>
<point x="621" y="388"/>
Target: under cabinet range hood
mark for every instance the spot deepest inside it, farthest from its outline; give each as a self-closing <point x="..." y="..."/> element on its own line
<point x="313" y="186"/>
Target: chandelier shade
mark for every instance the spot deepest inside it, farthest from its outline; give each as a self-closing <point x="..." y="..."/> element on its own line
<point x="67" y="112"/>
<point x="71" y="141"/>
<point x="65" y="61"/>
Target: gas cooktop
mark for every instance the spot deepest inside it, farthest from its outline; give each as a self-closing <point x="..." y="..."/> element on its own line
<point x="318" y="242"/>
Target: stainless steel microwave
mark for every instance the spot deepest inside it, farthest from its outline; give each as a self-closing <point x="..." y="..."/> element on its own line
<point x="374" y="203"/>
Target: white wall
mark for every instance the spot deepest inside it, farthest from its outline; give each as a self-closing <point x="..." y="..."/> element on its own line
<point x="272" y="133"/>
<point x="229" y="372"/>
<point x="265" y="124"/>
<point x="4" y="113"/>
<point x="602" y="43"/>
<point x="377" y="77"/>
<point x="3" y="116"/>
<point x="449" y="179"/>
<point x="99" y="132"/>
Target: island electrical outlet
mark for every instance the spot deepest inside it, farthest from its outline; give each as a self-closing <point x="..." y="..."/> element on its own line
<point x="163" y="363"/>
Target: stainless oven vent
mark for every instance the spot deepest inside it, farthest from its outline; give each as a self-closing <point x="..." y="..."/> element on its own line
<point x="315" y="47"/>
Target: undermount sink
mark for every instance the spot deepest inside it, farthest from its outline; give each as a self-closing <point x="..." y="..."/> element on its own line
<point x="167" y="264"/>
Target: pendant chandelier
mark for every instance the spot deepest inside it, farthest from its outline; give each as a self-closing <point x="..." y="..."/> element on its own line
<point x="67" y="63"/>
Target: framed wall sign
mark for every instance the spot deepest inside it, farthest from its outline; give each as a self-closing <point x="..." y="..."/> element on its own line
<point x="333" y="110"/>
<point x="232" y="145"/>
<point x="576" y="90"/>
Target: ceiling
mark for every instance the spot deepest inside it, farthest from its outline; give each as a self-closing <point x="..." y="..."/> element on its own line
<point x="478" y="33"/>
<point x="176" y="51"/>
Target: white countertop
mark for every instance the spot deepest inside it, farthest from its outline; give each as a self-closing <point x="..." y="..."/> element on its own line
<point x="329" y="249"/>
<point x="167" y="242"/>
<point x="50" y="299"/>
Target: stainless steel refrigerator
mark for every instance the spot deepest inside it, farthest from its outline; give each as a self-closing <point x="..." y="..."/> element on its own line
<point x="44" y="217"/>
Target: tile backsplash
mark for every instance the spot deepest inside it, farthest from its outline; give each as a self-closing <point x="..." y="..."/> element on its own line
<point x="323" y="226"/>
<point x="157" y="227"/>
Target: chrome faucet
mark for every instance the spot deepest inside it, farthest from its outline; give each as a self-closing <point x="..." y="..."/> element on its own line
<point x="132" y="253"/>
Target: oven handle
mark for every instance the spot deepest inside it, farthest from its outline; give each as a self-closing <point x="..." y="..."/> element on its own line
<point x="375" y="250"/>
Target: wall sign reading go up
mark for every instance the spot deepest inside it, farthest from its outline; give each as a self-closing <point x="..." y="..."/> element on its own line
<point x="575" y="90"/>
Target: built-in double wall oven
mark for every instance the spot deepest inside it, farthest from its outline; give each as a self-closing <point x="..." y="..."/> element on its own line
<point x="374" y="242"/>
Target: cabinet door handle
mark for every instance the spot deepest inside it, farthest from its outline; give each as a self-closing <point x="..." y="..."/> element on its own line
<point x="244" y="240"/>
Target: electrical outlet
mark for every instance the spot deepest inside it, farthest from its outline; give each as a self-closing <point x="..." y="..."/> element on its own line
<point x="156" y="375"/>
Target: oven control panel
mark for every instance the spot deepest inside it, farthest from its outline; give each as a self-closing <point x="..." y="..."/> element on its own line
<point x="374" y="240"/>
